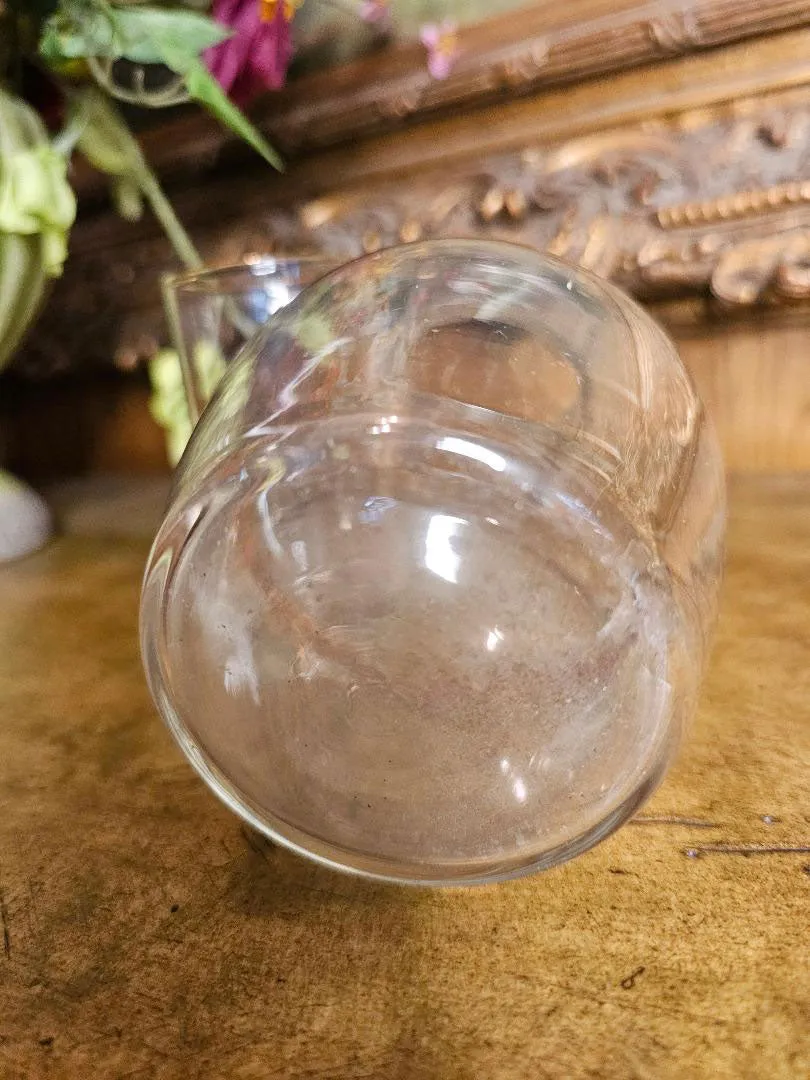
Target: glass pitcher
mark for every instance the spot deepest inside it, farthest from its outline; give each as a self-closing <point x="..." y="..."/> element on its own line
<point x="430" y="602"/>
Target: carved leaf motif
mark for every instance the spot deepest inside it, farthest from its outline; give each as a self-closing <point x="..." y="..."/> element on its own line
<point x="525" y="66"/>
<point x="711" y="202"/>
<point x="749" y="270"/>
<point x="675" y="33"/>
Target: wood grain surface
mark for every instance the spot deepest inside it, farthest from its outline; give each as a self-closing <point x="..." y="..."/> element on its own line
<point x="753" y="380"/>
<point x="146" y="934"/>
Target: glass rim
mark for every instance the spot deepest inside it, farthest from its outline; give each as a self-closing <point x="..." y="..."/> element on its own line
<point x="258" y="266"/>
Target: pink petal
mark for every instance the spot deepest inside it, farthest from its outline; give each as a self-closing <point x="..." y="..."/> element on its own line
<point x="257" y="56"/>
<point x="375" y="11"/>
<point x="246" y="87"/>
<point x="429" y="35"/>
<point x="440" y="64"/>
<point x="442" y="47"/>
<point x="226" y="11"/>
<point x="272" y="51"/>
<point x="227" y="59"/>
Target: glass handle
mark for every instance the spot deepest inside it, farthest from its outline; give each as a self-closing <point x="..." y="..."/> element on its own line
<point x="194" y="400"/>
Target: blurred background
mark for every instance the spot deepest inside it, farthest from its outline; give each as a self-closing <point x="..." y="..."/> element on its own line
<point x="663" y="145"/>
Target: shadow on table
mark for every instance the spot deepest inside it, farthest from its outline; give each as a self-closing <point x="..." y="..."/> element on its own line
<point x="266" y="878"/>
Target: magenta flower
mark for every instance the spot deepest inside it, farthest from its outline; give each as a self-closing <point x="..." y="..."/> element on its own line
<point x="441" y="42"/>
<point x="375" y="11"/>
<point x="258" y="54"/>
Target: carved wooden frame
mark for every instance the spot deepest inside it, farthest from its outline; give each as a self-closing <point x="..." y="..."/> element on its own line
<point x="683" y="178"/>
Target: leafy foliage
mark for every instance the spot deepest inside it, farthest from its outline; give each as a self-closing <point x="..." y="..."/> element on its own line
<point x="205" y="89"/>
<point x="140" y="34"/>
<point x="145" y="34"/>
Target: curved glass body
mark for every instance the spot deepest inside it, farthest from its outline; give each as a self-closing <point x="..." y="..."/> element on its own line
<point x="431" y="599"/>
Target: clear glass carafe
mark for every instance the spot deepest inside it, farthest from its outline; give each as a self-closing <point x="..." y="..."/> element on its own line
<point x="431" y="598"/>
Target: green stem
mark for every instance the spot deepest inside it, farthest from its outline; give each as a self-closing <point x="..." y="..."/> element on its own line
<point x="171" y="224"/>
<point x="110" y="145"/>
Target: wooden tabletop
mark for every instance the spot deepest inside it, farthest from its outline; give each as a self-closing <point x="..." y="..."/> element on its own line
<point x="147" y="934"/>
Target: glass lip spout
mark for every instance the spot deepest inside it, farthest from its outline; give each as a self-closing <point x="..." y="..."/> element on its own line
<point x="228" y="282"/>
<point x="213" y="279"/>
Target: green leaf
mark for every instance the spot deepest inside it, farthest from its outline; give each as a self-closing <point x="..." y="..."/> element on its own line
<point x="103" y="137"/>
<point x="143" y="35"/>
<point x="66" y="38"/>
<point x="150" y="35"/>
<point x="159" y="31"/>
<point x="204" y="88"/>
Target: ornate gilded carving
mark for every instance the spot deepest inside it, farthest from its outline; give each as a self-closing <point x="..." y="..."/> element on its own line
<point x="540" y="49"/>
<point x="525" y="66"/>
<point x="676" y="32"/>
<point x="743" y="204"/>
<point x="711" y="204"/>
<point x="660" y="209"/>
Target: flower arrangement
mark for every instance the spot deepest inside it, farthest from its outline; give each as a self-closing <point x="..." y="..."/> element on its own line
<point x="65" y="68"/>
<point x="66" y="64"/>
